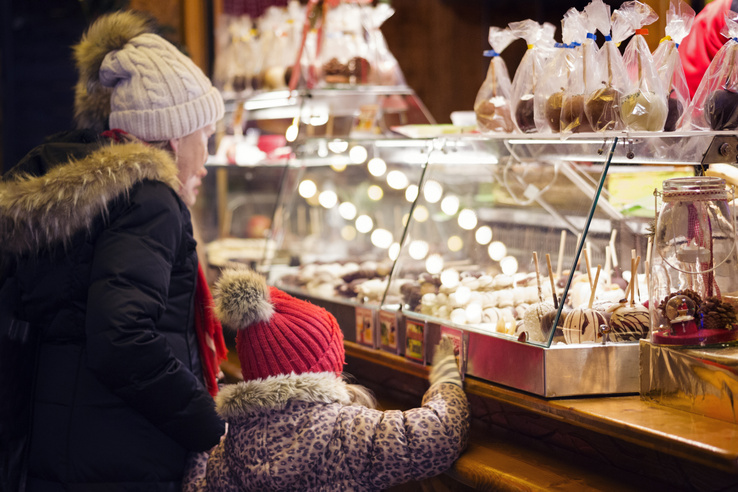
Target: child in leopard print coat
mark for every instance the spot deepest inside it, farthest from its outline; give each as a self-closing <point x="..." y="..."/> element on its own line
<point x="295" y="424"/>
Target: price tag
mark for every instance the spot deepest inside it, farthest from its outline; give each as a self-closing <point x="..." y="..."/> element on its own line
<point x="415" y="340"/>
<point x="365" y="326"/>
<point x="388" y="330"/>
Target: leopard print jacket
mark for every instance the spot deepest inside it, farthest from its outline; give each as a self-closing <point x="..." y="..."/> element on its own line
<point x="302" y="432"/>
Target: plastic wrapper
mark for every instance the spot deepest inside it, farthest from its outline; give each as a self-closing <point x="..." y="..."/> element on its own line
<point x="715" y="104"/>
<point x="643" y="105"/>
<point x="679" y="19"/>
<point x="526" y="76"/>
<point x="558" y="69"/>
<point x="492" y="104"/>
<point x="386" y="70"/>
<point x="278" y="48"/>
<point x="602" y="105"/>
<point x="582" y="79"/>
<point x="238" y="56"/>
<point x="344" y="55"/>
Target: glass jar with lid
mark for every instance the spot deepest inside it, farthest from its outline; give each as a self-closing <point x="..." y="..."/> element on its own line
<point x="694" y="264"/>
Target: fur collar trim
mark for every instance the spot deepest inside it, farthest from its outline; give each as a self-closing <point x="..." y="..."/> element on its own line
<point x="42" y="211"/>
<point x="274" y="392"/>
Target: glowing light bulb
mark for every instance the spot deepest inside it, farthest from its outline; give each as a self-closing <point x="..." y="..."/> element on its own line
<point x="411" y="193"/>
<point x="418" y="249"/>
<point x="381" y="238"/>
<point x="338" y="146"/>
<point x="347" y="210"/>
<point x="397" y="180"/>
<point x="434" y="264"/>
<point x="364" y="223"/>
<point x="455" y="243"/>
<point x="450" y="205"/>
<point x="483" y="235"/>
<point x="509" y="265"/>
<point x="348" y="233"/>
<point x="291" y="133"/>
<point x="376" y="166"/>
<point x="375" y="192"/>
<point x="467" y="219"/>
<point x="328" y="198"/>
<point x="394" y="251"/>
<point x="432" y="191"/>
<point x="497" y="250"/>
<point x="358" y="154"/>
<point x="307" y="188"/>
<point x="420" y="213"/>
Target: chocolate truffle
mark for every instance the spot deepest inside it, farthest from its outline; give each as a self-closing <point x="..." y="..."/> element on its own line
<point x="721" y="110"/>
<point x="643" y="111"/>
<point x="525" y="114"/>
<point x="602" y="108"/>
<point x="672" y="117"/>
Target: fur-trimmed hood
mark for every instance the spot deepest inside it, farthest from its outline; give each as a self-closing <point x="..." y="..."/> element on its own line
<point x="273" y="393"/>
<point x="38" y="212"/>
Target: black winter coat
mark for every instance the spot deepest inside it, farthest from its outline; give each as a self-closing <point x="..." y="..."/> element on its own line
<point x="103" y="252"/>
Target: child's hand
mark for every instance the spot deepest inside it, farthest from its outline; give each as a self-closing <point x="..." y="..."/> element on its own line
<point x="444" y="368"/>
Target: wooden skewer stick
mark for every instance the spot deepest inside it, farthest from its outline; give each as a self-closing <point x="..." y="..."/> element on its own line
<point x="560" y="258"/>
<point x="538" y="277"/>
<point x="594" y="289"/>
<point x="553" y="282"/>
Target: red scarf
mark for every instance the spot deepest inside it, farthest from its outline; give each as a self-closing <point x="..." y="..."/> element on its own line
<point x="209" y="333"/>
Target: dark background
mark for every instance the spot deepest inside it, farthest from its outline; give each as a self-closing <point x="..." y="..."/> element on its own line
<point x="438" y="43"/>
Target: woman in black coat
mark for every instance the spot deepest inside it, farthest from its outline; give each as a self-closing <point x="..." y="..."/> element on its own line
<point x="97" y="233"/>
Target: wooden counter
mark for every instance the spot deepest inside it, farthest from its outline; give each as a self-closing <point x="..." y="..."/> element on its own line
<point x="525" y="442"/>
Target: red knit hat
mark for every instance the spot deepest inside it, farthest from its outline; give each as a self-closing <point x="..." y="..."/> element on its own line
<point x="277" y="333"/>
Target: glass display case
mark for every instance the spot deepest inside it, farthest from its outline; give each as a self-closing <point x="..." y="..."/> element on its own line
<point x="533" y="252"/>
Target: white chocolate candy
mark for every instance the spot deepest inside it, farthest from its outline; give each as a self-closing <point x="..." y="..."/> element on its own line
<point x="629" y="323"/>
<point x="532" y="321"/>
<point x="582" y="325"/>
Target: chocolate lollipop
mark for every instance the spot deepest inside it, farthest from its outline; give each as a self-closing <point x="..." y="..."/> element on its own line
<point x="629" y="320"/>
<point x="583" y="324"/>
<point x="721" y="110"/>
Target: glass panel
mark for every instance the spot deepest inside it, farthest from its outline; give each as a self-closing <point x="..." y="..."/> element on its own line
<point x="480" y="222"/>
<point x="341" y="216"/>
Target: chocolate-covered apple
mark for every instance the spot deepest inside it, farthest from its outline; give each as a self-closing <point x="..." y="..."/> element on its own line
<point x="603" y="109"/>
<point x="525" y="114"/>
<point x="643" y="111"/>
<point x="553" y="110"/>
<point x="573" y="117"/>
<point x="674" y="113"/>
<point x="721" y="110"/>
<point x="493" y="115"/>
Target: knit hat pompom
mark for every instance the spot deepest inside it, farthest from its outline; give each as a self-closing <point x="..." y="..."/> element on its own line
<point x="110" y="32"/>
<point x="277" y="333"/>
<point x="242" y="298"/>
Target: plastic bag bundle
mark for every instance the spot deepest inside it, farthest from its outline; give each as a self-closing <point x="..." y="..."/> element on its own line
<point x="611" y="80"/>
<point x="582" y="79"/>
<point x="715" y="104"/>
<point x="526" y="76"/>
<point x="492" y="104"/>
<point x="386" y="69"/>
<point x="558" y="69"/>
<point x="679" y="19"/>
<point x="643" y="106"/>
<point x="344" y="56"/>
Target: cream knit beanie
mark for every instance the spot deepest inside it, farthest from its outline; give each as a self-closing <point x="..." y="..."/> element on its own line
<point x="158" y="92"/>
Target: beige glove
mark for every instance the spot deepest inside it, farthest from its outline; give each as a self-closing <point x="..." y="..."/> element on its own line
<point x="444" y="368"/>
